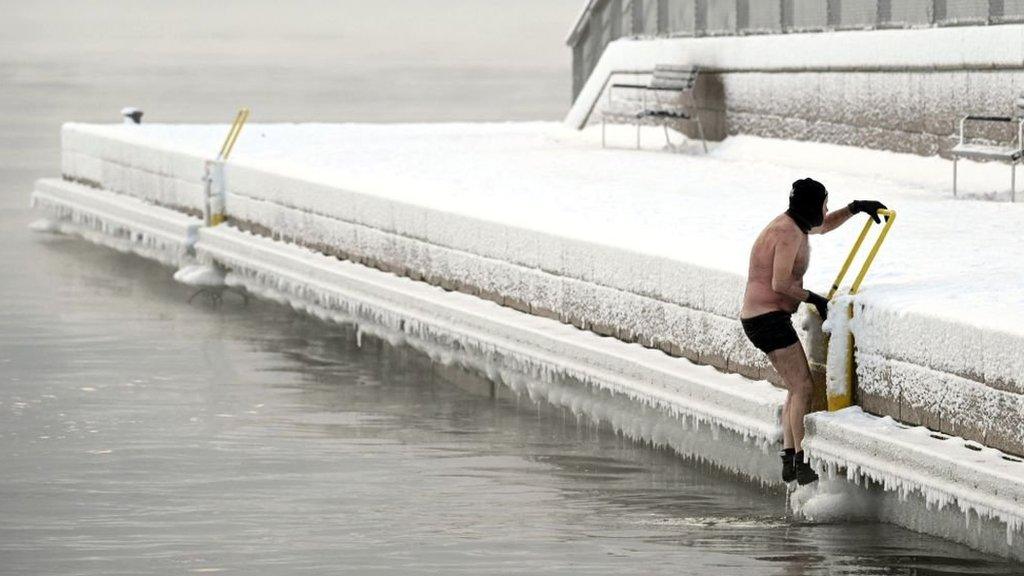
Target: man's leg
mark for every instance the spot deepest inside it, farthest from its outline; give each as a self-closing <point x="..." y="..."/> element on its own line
<point x="791" y="364"/>
<point x="787" y="430"/>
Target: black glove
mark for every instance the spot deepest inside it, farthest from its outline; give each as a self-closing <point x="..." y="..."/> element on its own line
<point x="819" y="302"/>
<point x="871" y="207"/>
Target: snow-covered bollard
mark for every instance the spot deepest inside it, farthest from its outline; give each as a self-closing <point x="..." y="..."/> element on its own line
<point x="131" y="115"/>
<point x="213" y="200"/>
<point x="839" y="367"/>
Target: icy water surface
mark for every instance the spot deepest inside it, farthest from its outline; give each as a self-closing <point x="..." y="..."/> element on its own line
<point x="141" y="434"/>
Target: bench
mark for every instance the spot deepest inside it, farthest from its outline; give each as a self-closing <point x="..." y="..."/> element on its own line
<point x="663" y="100"/>
<point x="1012" y="151"/>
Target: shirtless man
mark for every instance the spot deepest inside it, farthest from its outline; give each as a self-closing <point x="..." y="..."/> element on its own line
<point x="778" y="261"/>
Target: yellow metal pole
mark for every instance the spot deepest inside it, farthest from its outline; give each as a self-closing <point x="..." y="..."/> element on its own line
<point x="227" y="139"/>
<point x="849" y="259"/>
<point x="890" y="219"/>
<point x="243" y="115"/>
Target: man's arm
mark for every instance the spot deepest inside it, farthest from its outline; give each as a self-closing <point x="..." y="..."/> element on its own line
<point x="837" y="218"/>
<point x="833" y="220"/>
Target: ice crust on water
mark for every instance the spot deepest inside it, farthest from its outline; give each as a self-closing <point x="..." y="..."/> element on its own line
<point x="45" y="225"/>
<point x="832" y="500"/>
<point x="201" y="275"/>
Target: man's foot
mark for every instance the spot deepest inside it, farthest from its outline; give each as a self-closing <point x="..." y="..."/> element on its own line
<point x="804" y="473"/>
<point x="788" y="465"/>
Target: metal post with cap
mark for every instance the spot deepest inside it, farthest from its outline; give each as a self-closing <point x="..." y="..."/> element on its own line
<point x="213" y="177"/>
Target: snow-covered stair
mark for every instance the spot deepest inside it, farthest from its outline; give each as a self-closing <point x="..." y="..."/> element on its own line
<point x="944" y="470"/>
<point x="117" y="221"/>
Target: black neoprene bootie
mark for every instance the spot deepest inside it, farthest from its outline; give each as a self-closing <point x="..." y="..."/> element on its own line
<point x="788" y="456"/>
<point x="804" y="473"/>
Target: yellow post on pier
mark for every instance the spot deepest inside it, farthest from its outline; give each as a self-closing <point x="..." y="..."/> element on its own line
<point x="838" y="401"/>
<point x="214" y="211"/>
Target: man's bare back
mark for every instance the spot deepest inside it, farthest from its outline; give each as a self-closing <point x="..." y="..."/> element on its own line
<point x="761" y="296"/>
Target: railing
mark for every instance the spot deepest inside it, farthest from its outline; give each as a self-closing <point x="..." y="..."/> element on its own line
<point x="605" y="20"/>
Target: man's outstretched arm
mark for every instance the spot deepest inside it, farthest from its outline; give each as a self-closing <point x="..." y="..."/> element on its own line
<point x="837" y="218"/>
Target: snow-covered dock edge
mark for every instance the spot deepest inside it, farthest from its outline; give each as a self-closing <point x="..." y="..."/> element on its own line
<point x="724" y="419"/>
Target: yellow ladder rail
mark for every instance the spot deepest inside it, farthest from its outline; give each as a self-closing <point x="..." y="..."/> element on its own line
<point x="236" y="129"/>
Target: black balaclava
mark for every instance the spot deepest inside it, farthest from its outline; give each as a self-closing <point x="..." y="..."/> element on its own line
<point x="805" y="202"/>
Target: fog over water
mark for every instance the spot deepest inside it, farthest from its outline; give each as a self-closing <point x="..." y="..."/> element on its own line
<point x="143" y="434"/>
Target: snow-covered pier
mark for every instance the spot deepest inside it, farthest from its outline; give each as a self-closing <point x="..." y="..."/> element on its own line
<point x="617" y="273"/>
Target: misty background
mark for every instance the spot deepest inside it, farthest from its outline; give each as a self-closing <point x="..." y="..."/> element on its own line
<point x="295" y="61"/>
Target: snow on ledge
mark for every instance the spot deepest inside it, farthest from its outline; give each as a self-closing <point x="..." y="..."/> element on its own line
<point x="120" y="222"/>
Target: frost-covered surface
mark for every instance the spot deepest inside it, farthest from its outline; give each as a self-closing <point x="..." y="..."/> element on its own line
<point x="838" y="328"/>
<point x="673" y="227"/>
<point x="115" y="163"/>
<point x="945" y="471"/>
<point x="941" y="401"/>
<point x="749" y="408"/>
<point x="980" y="47"/>
<point x="123" y="223"/>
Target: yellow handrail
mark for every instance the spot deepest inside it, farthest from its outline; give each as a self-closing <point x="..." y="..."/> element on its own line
<point x="889" y="220"/>
<point x="890" y="217"/>
<point x="236" y="129"/>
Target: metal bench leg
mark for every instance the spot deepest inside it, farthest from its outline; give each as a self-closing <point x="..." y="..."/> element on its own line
<point x="668" y="141"/>
<point x="700" y="130"/>
<point x="1013" y="181"/>
<point x="602" y="132"/>
<point x="638" y="126"/>
<point x="954" y="176"/>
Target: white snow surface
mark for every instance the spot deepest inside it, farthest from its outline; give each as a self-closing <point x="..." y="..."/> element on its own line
<point x="547" y="197"/>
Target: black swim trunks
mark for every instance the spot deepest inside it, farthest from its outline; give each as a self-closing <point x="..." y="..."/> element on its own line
<point x="770" y="331"/>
